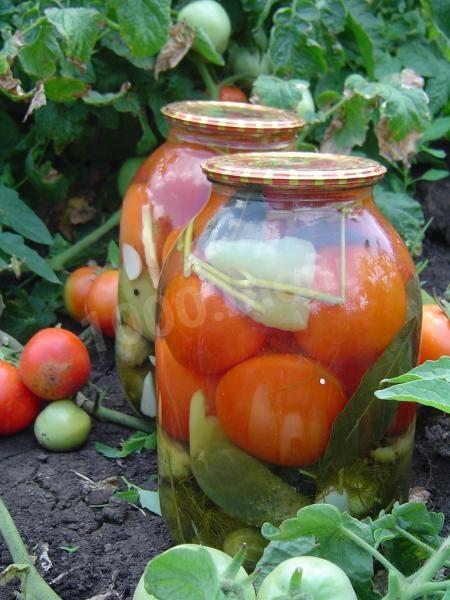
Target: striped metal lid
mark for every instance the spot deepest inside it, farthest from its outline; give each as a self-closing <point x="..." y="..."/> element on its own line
<point x="294" y="169"/>
<point x="231" y="116"/>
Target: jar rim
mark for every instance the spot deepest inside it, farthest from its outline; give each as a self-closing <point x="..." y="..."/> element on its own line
<point x="294" y="169"/>
<point x="236" y="117"/>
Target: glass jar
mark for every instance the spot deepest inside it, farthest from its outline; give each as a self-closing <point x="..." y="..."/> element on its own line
<point x="167" y="191"/>
<point x="282" y="307"/>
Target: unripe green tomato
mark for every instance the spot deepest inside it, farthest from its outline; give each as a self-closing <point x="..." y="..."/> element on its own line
<point x="126" y="173"/>
<point x="210" y="16"/>
<point x="320" y="580"/>
<point x="245" y="61"/>
<point x="306" y="104"/>
<point x="62" y="426"/>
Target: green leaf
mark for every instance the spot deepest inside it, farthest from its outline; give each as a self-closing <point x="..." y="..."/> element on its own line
<point x="78" y="28"/>
<point x="405" y="108"/>
<point x="437" y="129"/>
<point x="61" y="124"/>
<point x="70" y="549"/>
<point x="434" y="175"/>
<point x="365" y="419"/>
<point x="367" y="30"/>
<point x="14" y="213"/>
<point x="39" y="57"/>
<point x="144" y="24"/>
<point x="64" y="89"/>
<point x="438" y="91"/>
<point x="150" y="501"/>
<point x="47" y="181"/>
<point x="97" y="99"/>
<point x="14" y="246"/>
<point x="330" y="528"/>
<point x="273" y="91"/>
<point x="113" y="254"/>
<point x="403" y="211"/>
<point x="278" y="551"/>
<point x="183" y="574"/>
<point x="428" y="384"/>
<point x="349" y="129"/>
<point x="115" y="43"/>
<point x="441" y="14"/>
<point x="137" y="442"/>
<point x="333" y="15"/>
<point x="294" y="54"/>
<point x="364" y="43"/>
<point x="204" y="46"/>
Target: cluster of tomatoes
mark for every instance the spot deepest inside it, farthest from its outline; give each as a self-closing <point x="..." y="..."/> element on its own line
<point x="90" y="295"/>
<point x="53" y="366"/>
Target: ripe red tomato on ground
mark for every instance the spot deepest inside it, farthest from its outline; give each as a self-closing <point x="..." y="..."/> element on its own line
<point x="176" y="386"/>
<point x="18" y="406"/>
<point x="435" y="334"/>
<point x="280" y="407"/>
<point x="102" y="300"/>
<point x="231" y="93"/>
<point x="76" y="291"/>
<point x="203" y="331"/>
<point x="54" y="364"/>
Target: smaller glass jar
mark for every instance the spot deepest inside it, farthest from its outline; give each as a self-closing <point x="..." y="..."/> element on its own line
<point x="167" y="191"/>
<point x="285" y="303"/>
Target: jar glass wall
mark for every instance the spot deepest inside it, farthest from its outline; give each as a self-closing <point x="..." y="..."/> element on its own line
<point x="167" y="191"/>
<point x="280" y="310"/>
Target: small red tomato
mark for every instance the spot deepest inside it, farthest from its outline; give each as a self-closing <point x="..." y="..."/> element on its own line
<point x="435" y="335"/>
<point x="18" y="406"/>
<point x="54" y="364"/>
<point x="101" y="304"/>
<point x="231" y="93"/>
<point x="76" y="291"/>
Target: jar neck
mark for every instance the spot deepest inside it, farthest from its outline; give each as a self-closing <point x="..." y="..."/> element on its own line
<point x="295" y="196"/>
<point x="226" y="141"/>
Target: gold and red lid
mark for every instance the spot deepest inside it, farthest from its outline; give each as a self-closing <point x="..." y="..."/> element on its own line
<point x="236" y="117"/>
<point x="294" y="169"/>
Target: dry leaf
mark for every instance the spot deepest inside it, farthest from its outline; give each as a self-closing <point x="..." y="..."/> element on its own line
<point x="78" y="211"/>
<point x="39" y="99"/>
<point x="175" y="49"/>
<point x="396" y="150"/>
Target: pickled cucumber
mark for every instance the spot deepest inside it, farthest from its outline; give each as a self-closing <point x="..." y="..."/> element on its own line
<point x="137" y="303"/>
<point x="174" y="462"/>
<point x="238" y="483"/>
<point x="132" y="382"/>
<point x="131" y="347"/>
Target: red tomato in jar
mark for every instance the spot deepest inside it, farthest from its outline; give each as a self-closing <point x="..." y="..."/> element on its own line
<point x="231" y="93"/>
<point x="102" y="300"/>
<point x="356" y="333"/>
<point x="435" y="334"/>
<point x="280" y="407"/>
<point x="203" y="330"/>
<point x="18" y="406"/>
<point x="76" y="291"/>
<point x="54" y="364"/>
<point x="176" y="386"/>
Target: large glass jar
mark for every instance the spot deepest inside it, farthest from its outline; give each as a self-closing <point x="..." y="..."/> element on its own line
<point x="167" y="191"/>
<point x="280" y="310"/>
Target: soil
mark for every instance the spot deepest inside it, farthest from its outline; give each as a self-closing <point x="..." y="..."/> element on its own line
<point x="54" y="504"/>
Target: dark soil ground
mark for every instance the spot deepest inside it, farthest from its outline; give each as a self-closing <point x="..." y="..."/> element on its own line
<point x="54" y="501"/>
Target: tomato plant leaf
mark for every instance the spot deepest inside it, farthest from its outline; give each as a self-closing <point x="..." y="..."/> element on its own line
<point x="39" y="57"/>
<point x="97" y="99"/>
<point x="78" y="28"/>
<point x="116" y="44"/>
<point x="14" y="246"/>
<point x="404" y="212"/>
<point x="150" y="500"/>
<point x="144" y="24"/>
<point x="277" y="552"/>
<point x="14" y="213"/>
<point x="137" y="442"/>
<point x="64" y="89"/>
<point x="434" y="175"/>
<point x="428" y="384"/>
<point x="438" y="128"/>
<point x="292" y="51"/>
<point x="330" y="528"/>
<point x="204" y="46"/>
<point x="273" y="91"/>
<point x="183" y="574"/>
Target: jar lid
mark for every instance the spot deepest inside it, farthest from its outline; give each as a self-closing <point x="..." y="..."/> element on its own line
<point x="236" y="117"/>
<point x="291" y="169"/>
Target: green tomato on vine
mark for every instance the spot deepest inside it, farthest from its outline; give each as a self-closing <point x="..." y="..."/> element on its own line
<point x="212" y="18"/>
